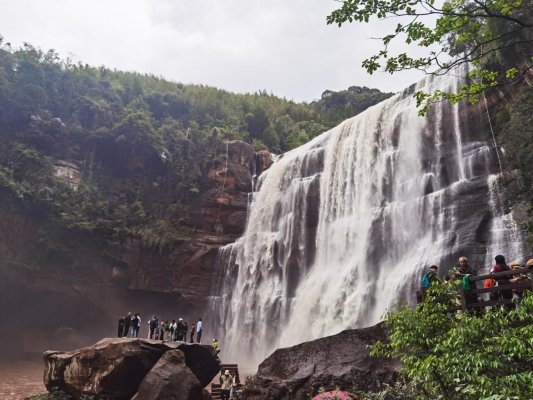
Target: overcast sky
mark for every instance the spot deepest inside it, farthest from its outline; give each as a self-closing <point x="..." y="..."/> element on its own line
<point x="283" y="46"/>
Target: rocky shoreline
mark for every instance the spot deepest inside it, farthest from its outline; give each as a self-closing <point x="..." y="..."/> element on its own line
<point x="141" y="369"/>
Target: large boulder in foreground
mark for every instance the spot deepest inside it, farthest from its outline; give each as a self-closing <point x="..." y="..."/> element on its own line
<point x="170" y="378"/>
<point x="340" y="360"/>
<point x="115" y="368"/>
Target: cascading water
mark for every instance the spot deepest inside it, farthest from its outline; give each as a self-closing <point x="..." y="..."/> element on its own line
<point x="341" y="228"/>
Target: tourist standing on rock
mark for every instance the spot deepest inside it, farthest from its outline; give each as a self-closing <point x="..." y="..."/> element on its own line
<point x="152" y="324"/>
<point x="180" y="327"/>
<point x="121" y="326"/>
<point x="173" y="330"/>
<point x="193" y="329"/>
<point x="127" y="324"/>
<point x="185" y="330"/>
<point x="225" y="382"/>
<point x="199" y="329"/>
<point x="135" y="325"/>
<point x="162" y="330"/>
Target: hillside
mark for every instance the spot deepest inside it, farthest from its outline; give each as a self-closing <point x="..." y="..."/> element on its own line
<point x="117" y="189"/>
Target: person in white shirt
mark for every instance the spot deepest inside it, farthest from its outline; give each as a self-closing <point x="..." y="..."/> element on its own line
<point x="199" y="329"/>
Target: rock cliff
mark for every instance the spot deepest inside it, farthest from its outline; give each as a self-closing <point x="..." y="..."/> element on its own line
<point x="75" y="301"/>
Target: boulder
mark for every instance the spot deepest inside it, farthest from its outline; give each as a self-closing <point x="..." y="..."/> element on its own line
<point x="114" y="368"/>
<point x="170" y="379"/>
<point x="338" y="361"/>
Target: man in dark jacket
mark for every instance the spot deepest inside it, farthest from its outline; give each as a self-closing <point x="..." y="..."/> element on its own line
<point x="461" y="271"/>
<point x="501" y="266"/>
<point x="152" y="325"/>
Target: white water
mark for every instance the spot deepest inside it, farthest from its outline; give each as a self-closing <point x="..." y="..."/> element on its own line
<point x="342" y="227"/>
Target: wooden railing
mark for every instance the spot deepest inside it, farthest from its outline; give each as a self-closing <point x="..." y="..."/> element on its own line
<point x="481" y="303"/>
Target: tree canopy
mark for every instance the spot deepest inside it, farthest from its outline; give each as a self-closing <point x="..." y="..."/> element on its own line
<point x="143" y="145"/>
<point x="494" y="37"/>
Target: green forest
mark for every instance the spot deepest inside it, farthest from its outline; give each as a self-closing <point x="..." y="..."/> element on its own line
<point x="142" y="144"/>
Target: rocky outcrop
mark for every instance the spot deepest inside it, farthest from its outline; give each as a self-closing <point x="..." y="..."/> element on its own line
<point x="123" y="368"/>
<point x="102" y="283"/>
<point x="170" y="375"/>
<point x="338" y="361"/>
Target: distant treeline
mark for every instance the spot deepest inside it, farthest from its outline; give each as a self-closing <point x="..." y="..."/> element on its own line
<point x="141" y="142"/>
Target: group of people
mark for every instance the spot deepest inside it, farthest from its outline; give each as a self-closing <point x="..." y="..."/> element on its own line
<point x="464" y="271"/>
<point x="166" y="330"/>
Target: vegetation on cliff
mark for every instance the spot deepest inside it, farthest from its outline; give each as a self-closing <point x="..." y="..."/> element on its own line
<point x="141" y="145"/>
<point x="494" y="37"/>
<point x="455" y="356"/>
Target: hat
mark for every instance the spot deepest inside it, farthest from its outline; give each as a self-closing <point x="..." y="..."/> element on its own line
<point x="515" y="263"/>
<point x="529" y="263"/>
<point x="227" y="372"/>
<point x="214" y="340"/>
<point x="181" y="319"/>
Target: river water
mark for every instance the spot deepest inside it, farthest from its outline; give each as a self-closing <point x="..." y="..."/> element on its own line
<point x="21" y="379"/>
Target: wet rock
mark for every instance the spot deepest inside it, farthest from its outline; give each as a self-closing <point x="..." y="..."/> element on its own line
<point x="340" y="360"/>
<point x="170" y="379"/>
<point x="263" y="160"/>
<point x="114" y="368"/>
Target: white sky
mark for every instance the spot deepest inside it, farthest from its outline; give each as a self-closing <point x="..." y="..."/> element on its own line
<point x="283" y="46"/>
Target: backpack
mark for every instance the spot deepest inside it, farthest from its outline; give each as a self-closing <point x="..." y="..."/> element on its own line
<point x="466" y="283"/>
<point x="153" y="323"/>
<point x="425" y="280"/>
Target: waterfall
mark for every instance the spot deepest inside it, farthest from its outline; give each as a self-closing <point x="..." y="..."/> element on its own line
<point x="340" y="229"/>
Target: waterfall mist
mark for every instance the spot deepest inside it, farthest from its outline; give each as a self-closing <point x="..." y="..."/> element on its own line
<point x="341" y="228"/>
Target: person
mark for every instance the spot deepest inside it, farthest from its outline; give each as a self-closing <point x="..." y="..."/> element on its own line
<point x="518" y="278"/>
<point x="193" y="329"/>
<point x="185" y="330"/>
<point x="463" y="271"/>
<point x="162" y="330"/>
<point x="152" y="325"/>
<point x="121" y="326"/>
<point x="225" y="383"/>
<point x="181" y="333"/>
<point x="490" y="283"/>
<point x="199" y="330"/>
<point x="135" y="325"/>
<point x="430" y="277"/>
<point x="173" y="331"/>
<point x="127" y="324"/>
<point x="216" y="347"/>
<point x="233" y="391"/>
<point x="501" y="266"/>
<point x="167" y="331"/>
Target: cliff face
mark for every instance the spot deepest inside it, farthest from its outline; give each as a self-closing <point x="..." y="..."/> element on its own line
<point x="79" y="300"/>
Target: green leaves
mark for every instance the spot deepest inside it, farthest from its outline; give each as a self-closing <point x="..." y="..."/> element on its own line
<point x="456" y="356"/>
<point x="483" y="33"/>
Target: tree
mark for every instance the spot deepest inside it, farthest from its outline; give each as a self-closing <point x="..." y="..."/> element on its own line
<point x="495" y="36"/>
<point x="454" y="356"/>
